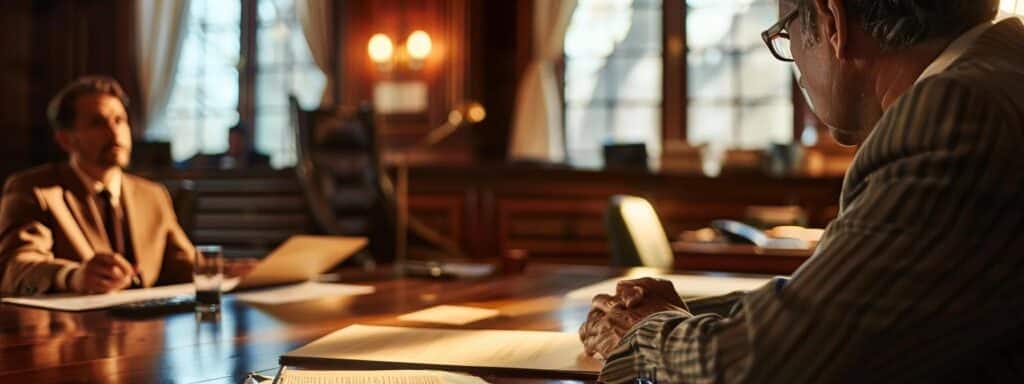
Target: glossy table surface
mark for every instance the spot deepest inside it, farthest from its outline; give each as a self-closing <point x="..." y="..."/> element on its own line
<point x="41" y="346"/>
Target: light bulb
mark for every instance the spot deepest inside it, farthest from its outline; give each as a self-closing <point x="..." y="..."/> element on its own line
<point x="380" y="48"/>
<point x="418" y="45"/>
<point x="476" y="112"/>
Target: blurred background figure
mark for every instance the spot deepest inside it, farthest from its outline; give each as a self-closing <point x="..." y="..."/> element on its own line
<point x="238" y="156"/>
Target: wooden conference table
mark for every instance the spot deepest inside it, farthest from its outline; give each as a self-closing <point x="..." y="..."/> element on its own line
<point x="41" y="346"/>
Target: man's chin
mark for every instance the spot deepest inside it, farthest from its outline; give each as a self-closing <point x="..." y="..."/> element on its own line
<point x="847" y="138"/>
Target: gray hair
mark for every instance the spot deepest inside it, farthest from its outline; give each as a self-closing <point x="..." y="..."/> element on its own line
<point x="904" y="23"/>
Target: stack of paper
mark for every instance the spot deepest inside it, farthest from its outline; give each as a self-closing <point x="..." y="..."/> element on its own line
<point x="485" y="351"/>
<point x="450" y="314"/>
<point x="376" y="377"/>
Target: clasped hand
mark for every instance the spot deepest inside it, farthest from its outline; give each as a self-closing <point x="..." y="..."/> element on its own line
<point x="611" y="317"/>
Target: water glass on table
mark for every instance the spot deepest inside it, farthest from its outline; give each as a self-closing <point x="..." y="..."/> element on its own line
<point x="208" y="275"/>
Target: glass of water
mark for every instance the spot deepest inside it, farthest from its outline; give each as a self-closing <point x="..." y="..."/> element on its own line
<point x="207" y="275"/>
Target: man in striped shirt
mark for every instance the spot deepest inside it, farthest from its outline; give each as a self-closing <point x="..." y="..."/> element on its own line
<point x="921" y="276"/>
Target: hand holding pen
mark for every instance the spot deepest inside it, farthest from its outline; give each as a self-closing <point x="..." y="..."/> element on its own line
<point x="104" y="272"/>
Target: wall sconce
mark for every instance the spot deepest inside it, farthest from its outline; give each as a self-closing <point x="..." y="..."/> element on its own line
<point x="412" y="54"/>
<point x="381" y="51"/>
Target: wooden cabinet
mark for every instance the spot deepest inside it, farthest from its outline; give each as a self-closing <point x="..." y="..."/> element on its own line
<point x="557" y="215"/>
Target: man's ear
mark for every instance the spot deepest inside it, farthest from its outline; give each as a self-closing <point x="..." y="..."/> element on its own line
<point x="837" y="27"/>
<point x="64" y="139"/>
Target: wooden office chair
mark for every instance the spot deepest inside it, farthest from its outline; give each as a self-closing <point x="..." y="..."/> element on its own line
<point x="635" y="235"/>
<point x="344" y="183"/>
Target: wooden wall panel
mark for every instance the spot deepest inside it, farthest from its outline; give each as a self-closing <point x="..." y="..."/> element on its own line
<point x="475" y="49"/>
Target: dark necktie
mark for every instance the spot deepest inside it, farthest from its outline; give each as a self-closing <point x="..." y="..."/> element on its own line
<point x="113" y="224"/>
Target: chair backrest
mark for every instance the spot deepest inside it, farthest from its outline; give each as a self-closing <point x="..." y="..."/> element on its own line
<point x="635" y="235"/>
<point x="339" y="170"/>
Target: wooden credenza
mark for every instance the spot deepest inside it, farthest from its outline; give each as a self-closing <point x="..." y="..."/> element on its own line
<point x="554" y="215"/>
<point x="557" y="215"/>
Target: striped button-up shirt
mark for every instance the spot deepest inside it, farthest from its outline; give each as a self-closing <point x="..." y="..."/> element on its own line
<point x="921" y="276"/>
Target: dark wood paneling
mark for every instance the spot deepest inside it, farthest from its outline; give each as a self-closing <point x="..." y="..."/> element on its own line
<point x="46" y="44"/>
<point x="558" y="214"/>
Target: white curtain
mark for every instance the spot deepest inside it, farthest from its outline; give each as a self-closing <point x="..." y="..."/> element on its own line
<point x="317" y="26"/>
<point x="537" y="124"/>
<point x="160" y="28"/>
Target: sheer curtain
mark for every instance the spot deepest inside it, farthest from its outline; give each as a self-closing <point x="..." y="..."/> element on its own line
<point x="160" y="29"/>
<point x="317" y="26"/>
<point x="537" y="124"/>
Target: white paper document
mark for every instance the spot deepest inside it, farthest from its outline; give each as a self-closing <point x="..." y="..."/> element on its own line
<point x="88" y="302"/>
<point x="448" y="349"/>
<point x="309" y="290"/>
<point x="688" y="286"/>
<point x="450" y="314"/>
<point x="376" y="377"/>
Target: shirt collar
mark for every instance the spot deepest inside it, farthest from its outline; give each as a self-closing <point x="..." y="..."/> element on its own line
<point x="97" y="186"/>
<point x="954" y="51"/>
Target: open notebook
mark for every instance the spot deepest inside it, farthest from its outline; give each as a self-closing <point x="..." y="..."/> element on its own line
<point x="301" y="258"/>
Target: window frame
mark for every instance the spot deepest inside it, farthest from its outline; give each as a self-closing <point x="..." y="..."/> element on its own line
<point x="675" y="96"/>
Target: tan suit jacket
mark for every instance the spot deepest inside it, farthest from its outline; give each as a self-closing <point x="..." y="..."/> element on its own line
<point x="49" y="220"/>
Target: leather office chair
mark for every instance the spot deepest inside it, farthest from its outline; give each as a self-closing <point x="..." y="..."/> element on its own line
<point x="635" y="235"/>
<point x="344" y="183"/>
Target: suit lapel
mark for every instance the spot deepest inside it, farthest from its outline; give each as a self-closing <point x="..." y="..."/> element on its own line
<point x="86" y="213"/>
<point x="134" y="212"/>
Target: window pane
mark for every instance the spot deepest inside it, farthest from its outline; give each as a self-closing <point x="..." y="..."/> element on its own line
<point x="203" y="102"/>
<point x="286" y="67"/>
<point x="766" y="123"/>
<point x="581" y="78"/>
<point x="763" y="76"/>
<point x="645" y="34"/>
<point x="710" y="123"/>
<point x="274" y="137"/>
<point x="638" y="79"/>
<point x="587" y="129"/>
<point x="613" y="77"/>
<point x="710" y="75"/>
<point x="739" y="94"/>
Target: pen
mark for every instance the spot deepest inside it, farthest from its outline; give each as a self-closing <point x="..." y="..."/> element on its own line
<point x="136" y="277"/>
<point x="280" y="374"/>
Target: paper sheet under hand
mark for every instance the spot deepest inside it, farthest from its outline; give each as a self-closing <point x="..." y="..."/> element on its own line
<point x="359" y="346"/>
<point x="450" y="314"/>
<point x="688" y="286"/>
<point x="309" y="290"/>
<point x="376" y="377"/>
<point x="69" y="302"/>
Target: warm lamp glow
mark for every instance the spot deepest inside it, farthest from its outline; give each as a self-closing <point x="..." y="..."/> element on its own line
<point x="418" y="45"/>
<point x="380" y="48"/>
<point x="475" y="112"/>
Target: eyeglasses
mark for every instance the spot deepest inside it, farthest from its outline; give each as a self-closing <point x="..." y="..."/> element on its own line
<point x="777" y="37"/>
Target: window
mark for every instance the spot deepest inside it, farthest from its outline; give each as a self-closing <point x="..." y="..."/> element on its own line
<point x="612" y="77"/>
<point x="739" y="96"/>
<point x="204" y="102"/>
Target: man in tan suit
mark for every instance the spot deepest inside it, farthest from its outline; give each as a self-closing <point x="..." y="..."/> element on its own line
<point x="87" y="226"/>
